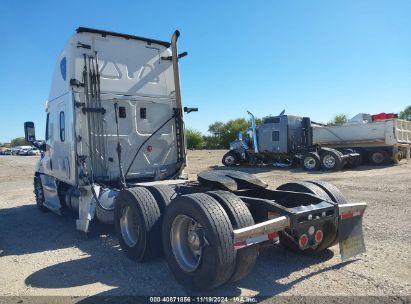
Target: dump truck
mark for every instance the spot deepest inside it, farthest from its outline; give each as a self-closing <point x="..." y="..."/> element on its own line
<point x="286" y="140"/>
<point x="379" y="141"/>
<point x="115" y="152"/>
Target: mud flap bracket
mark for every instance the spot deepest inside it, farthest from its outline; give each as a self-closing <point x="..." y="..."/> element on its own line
<point x="87" y="207"/>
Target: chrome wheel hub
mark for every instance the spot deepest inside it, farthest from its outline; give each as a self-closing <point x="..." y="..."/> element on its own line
<point x="230" y="160"/>
<point x="377" y="158"/>
<point x="329" y="161"/>
<point x="187" y="242"/>
<point x="309" y="162"/>
<point x="129" y="227"/>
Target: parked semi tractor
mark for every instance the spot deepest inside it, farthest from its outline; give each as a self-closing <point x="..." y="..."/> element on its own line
<point x="379" y="141"/>
<point x="115" y="152"/>
<point x="286" y="139"/>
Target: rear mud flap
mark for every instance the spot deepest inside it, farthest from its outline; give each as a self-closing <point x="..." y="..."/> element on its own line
<point x="350" y="236"/>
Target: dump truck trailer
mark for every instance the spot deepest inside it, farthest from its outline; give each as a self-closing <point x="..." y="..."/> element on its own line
<point x="115" y="152"/>
<point x="378" y="141"/>
<point x="286" y="140"/>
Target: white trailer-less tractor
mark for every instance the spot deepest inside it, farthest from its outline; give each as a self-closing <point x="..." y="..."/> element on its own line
<point x="115" y="152"/>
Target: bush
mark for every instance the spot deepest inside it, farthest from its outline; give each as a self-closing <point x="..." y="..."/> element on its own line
<point x="194" y="139"/>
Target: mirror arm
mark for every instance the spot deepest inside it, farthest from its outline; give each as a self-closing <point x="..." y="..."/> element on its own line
<point x="40" y="144"/>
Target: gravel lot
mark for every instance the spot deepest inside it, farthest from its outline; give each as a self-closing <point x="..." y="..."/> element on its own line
<point x="43" y="254"/>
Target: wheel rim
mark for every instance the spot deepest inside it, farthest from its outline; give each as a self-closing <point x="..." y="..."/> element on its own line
<point x="329" y="161"/>
<point x="310" y="162"/>
<point x="129" y="227"/>
<point x="377" y="157"/>
<point x="229" y="160"/>
<point x="187" y="241"/>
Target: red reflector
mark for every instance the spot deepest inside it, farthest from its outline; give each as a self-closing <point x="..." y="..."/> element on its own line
<point x="149" y="148"/>
<point x="346" y="216"/>
<point x="273" y="235"/>
<point x="303" y="241"/>
<point x="240" y="244"/>
<point x="319" y="236"/>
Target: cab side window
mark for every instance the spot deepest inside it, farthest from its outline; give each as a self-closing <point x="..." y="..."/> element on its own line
<point x="275" y="136"/>
<point x="48" y="126"/>
<point x="62" y="127"/>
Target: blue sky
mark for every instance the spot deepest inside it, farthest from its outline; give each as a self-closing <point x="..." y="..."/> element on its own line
<point x="312" y="58"/>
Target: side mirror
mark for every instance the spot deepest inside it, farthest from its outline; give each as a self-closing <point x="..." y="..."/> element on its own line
<point x="29" y="132"/>
<point x="189" y="110"/>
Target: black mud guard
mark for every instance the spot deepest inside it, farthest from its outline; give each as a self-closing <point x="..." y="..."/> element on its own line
<point x="230" y="180"/>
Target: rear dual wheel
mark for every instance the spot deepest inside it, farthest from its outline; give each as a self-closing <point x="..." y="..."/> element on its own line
<point x="380" y="157"/>
<point x="240" y="217"/>
<point x="311" y="161"/>
<point x="330" y="160"/>
<point x="137" y="221"/>
<point x="196" y="233"/>
<point x="138" y="216"/>
<point x="197" y="241"/>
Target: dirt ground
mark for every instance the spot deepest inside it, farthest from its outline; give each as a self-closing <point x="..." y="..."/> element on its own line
<point x="43" y="254"/>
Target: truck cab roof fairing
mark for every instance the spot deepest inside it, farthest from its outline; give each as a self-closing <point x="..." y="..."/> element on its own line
<point x="126" y="36"/>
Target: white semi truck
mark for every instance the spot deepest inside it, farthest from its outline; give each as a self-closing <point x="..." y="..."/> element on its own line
<point x="379" y="141"/>
<point x="115" y="152"/>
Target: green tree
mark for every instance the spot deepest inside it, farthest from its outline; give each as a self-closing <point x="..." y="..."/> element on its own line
<point x="19" y="141"/>
<point x="224" y="133"/>
<point x="212" y="142"/>
<point x="231" y="130"/>
<point x="194" y="139"/>
<point x="216" y="128"/>
<point x="406" y="114"/>
<point x="339" y="119"/>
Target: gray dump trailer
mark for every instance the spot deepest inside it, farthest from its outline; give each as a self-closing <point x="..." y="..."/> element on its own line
<point x="287" y="140"/>
<point x="377" y="141"/>
<point x="115" y="152"/>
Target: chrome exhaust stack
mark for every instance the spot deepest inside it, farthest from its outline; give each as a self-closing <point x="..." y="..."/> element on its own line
<point x="180" y="133"/>
<point x="254" y="128"/>
<point x="176" y="71"/>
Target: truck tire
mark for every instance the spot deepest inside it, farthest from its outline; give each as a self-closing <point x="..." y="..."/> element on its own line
<point x="329" y="230"/>
<point x="397" y="157"/>
<point x="137" y="218"/>
<point x="332" y="191"/>
<point x="305" y="187"/>
<point x="240" y="217"/>
<point x="310" y="161"/>
<point x="230" y="159"/>
<point x="163" y="194"/>
<point x="197" y="241"/>
<point x="39" y="194"/>
<point x="330" y="160"/>
<point x="379" y="157"/>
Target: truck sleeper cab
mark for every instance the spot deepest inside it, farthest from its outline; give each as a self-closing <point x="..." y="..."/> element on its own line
<point x="115" y="152"/>
<point x="287" y="139"/>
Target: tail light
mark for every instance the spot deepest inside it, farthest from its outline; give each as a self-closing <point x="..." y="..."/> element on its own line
<point x="303" y="241"/>
<point x="319" y="236"/>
